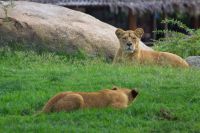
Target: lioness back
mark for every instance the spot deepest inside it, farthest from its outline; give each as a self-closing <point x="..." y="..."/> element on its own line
<point x="162" y="58"/>
<point x="130" y="51"/>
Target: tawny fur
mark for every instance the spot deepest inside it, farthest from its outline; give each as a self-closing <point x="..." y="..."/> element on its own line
<point x="131" y="52"/>
<point x="70" y="100"/>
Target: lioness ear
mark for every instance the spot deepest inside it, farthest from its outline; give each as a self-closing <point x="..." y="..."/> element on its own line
<point x="119" y="32"/>
<point x="139" y="32"/>
<point x="114" y="88"/>
<point x="135" y="92"/>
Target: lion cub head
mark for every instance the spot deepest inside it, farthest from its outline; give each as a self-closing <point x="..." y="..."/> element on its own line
<point x="129" y="40"/>
<point x="131" y="94"/>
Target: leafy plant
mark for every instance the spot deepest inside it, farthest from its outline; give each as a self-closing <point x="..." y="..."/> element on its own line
<point x="178" y="43"/>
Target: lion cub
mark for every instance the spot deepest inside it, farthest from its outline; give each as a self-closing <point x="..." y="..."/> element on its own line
<point x="70" y="100"/>
<point x="130" y="51"/>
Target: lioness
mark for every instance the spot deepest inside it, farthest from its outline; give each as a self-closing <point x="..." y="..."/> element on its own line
<point x="70" y="100"/>
<point x="130" y="51"/>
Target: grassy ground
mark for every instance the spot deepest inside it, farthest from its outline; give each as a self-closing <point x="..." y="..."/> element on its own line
<point x="168" y="101"/>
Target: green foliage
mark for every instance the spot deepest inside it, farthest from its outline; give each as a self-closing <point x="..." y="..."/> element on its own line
<point x="168" y="100"/>
<point x="179" y="43"/>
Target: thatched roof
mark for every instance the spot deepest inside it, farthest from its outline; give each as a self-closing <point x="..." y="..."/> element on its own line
<point x="142" y="6"/>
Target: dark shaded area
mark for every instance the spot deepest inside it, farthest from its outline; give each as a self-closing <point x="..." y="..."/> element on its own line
<point x="166" y="115"/>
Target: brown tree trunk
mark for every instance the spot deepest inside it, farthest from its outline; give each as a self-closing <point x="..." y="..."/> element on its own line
<point x="165" y="25"/>
<point x="195" y="22"/>
<point x="132" y="21"/>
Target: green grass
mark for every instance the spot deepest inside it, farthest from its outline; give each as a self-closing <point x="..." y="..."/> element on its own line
<point x="169" y="99"/>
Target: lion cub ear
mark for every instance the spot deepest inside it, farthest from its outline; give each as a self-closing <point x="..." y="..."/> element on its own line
<point x="135" y="92"/>
<point x="139" y="32"/>
<point x="114" y="88"/>
<point x="119" y="32"/>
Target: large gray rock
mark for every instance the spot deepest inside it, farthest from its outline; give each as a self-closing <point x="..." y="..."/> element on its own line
<point x="193" y="61"/>
<point x="58" y="28"/>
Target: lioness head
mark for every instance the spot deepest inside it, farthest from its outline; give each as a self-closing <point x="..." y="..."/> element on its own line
<point x="129" y="40"/>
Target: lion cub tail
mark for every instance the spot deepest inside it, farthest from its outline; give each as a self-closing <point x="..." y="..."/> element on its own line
<point x="36" y="115"/>
<point x="48" y="107"/>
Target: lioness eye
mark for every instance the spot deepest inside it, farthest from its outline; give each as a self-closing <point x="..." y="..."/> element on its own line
<point x="133" y="38"/>
<point x="124" y="39"/>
